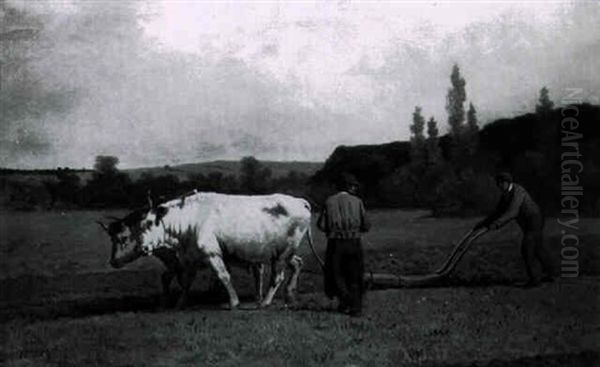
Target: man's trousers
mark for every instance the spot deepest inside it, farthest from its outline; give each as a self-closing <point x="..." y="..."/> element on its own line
<point x="344" y="270"/>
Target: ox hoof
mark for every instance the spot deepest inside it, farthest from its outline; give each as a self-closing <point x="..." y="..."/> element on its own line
<point x="264" y="304"/>
<point x="181" y="304"/>
<point x="163" y="303"/>
<point x="291" y="306"/>
<point x="291" y="299"/>
<point x="229" y="306"/>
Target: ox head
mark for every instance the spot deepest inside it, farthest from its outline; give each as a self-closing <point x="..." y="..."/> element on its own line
<point x="136" y="235"/>
<point x="126" y="236"/>
<point x="132" y="236"/>
<point x="153" y="234"/>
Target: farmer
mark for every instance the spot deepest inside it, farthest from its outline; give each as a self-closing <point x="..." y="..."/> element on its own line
<point x="343" y="220"/>
<point x="515" y="203"/>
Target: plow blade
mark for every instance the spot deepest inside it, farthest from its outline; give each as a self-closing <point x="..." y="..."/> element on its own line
<point x="386" y="280"/>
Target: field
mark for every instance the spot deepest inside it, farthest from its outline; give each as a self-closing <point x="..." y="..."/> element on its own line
<point x="62" y="305"/>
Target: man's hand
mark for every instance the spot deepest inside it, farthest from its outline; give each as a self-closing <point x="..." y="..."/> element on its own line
<point x="493" y="226"/>
<point x="478" y="226"/>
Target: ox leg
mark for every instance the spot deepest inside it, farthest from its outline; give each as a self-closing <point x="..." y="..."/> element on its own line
<point x="277" y="277"/>
<point x="173" y="267"/>
<point x="219" y="267"/>
<point x="166" y="279"/>
<point x="295" y="265"/>
<point x="214" y="285"/>
<point x="186" y="279"/>
<point x="258" y="271"/>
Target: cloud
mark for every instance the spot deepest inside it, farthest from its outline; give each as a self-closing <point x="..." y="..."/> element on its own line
<point x="173" y="82"/>
<point x="26" y="100"/>
<point x="149" y="105"/>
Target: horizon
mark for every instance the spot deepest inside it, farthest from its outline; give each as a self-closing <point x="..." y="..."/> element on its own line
<point x="158" y="166"/>
<point x="238" y="159"/>
<point x="172" y="83"/>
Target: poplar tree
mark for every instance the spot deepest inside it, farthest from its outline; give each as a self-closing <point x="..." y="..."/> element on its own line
<point x="546" y="128"/>
<point x="417" y="139"/>
<point x="432" y="144"/>
<point x="472" y="131"/>
<point x="544" y="105"/>
<point x="455" y="100"/>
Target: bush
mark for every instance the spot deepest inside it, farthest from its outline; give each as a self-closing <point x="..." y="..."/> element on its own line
<point x="466" y="194"/>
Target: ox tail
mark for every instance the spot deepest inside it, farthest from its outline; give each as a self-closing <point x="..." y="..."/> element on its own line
<point x="312" y="247"/>
<point x="308" y="207"/>
<point x="310" y="204"/>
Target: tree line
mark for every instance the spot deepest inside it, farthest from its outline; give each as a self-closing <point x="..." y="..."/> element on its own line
<point x="458" y="179"/>
<point x="452" y="174"/>
<point x="109" y="187"/>
<point x="447" y="179"/>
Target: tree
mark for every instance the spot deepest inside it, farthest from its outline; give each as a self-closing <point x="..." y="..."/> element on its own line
<point x="546" y="137"/>
<point x="544" y="105"/>
<point x="472" y="118"/>
<point x="68" y="186"/>
<point x="254" y="177"/>
<point x="215" y="180"/>
<point x="106" y="165"/>
<point x="472" y="131"/>
<point x="455" y="100"/>
<point x="546" y="128"/>
<point x="108" y="186"/>
<point x="432" y="148"/>
<point x="417" y="140"/>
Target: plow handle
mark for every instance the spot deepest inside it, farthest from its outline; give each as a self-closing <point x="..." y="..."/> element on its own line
<point x="459" y="251"/>
<point x="457" y="247"/>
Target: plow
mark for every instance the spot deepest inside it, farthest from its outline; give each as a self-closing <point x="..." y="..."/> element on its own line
<point x="387" y="280"/>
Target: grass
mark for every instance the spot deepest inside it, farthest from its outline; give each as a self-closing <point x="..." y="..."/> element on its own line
<point x="61" y="305"/>
<point x="66" y="243"/>
<point x="409" y="327"/>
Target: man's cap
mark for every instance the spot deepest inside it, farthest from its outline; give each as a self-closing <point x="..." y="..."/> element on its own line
<point x="347" y="180"/>
<point x="504" y="177"/>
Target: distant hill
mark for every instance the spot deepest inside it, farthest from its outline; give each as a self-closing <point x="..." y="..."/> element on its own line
<point x="369" y="163"/>
<point x="35" y="189"/>
<point x="515" y="136"/>
<point x="278" y="169"/>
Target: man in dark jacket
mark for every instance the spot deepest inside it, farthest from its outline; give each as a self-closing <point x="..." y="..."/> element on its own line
<point x="516" y="203"/>
<point x="343" y="220"/>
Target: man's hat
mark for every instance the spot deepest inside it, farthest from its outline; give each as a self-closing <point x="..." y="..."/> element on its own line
<point x="346" y="180"/>
<point x="504" y="177"/>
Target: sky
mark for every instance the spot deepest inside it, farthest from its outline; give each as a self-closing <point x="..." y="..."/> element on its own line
<point x="171" y="82"/>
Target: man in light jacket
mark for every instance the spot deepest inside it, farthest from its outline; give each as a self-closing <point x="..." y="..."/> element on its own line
<point x="343" y="220"/>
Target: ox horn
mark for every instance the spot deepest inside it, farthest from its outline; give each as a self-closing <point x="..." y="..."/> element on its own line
<point x="104" y="227"/>
<point x="150" y="203"/>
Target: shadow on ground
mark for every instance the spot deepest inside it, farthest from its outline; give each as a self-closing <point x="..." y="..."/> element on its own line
<point x="83" y="295"/>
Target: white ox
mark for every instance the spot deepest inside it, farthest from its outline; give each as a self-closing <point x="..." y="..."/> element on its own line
<point x="218" y="229"/>
<point x="126" y="247"/>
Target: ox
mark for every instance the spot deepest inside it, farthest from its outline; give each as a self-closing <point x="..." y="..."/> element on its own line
<point x="218" y="230"/>
<point x="125" y="248"/>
